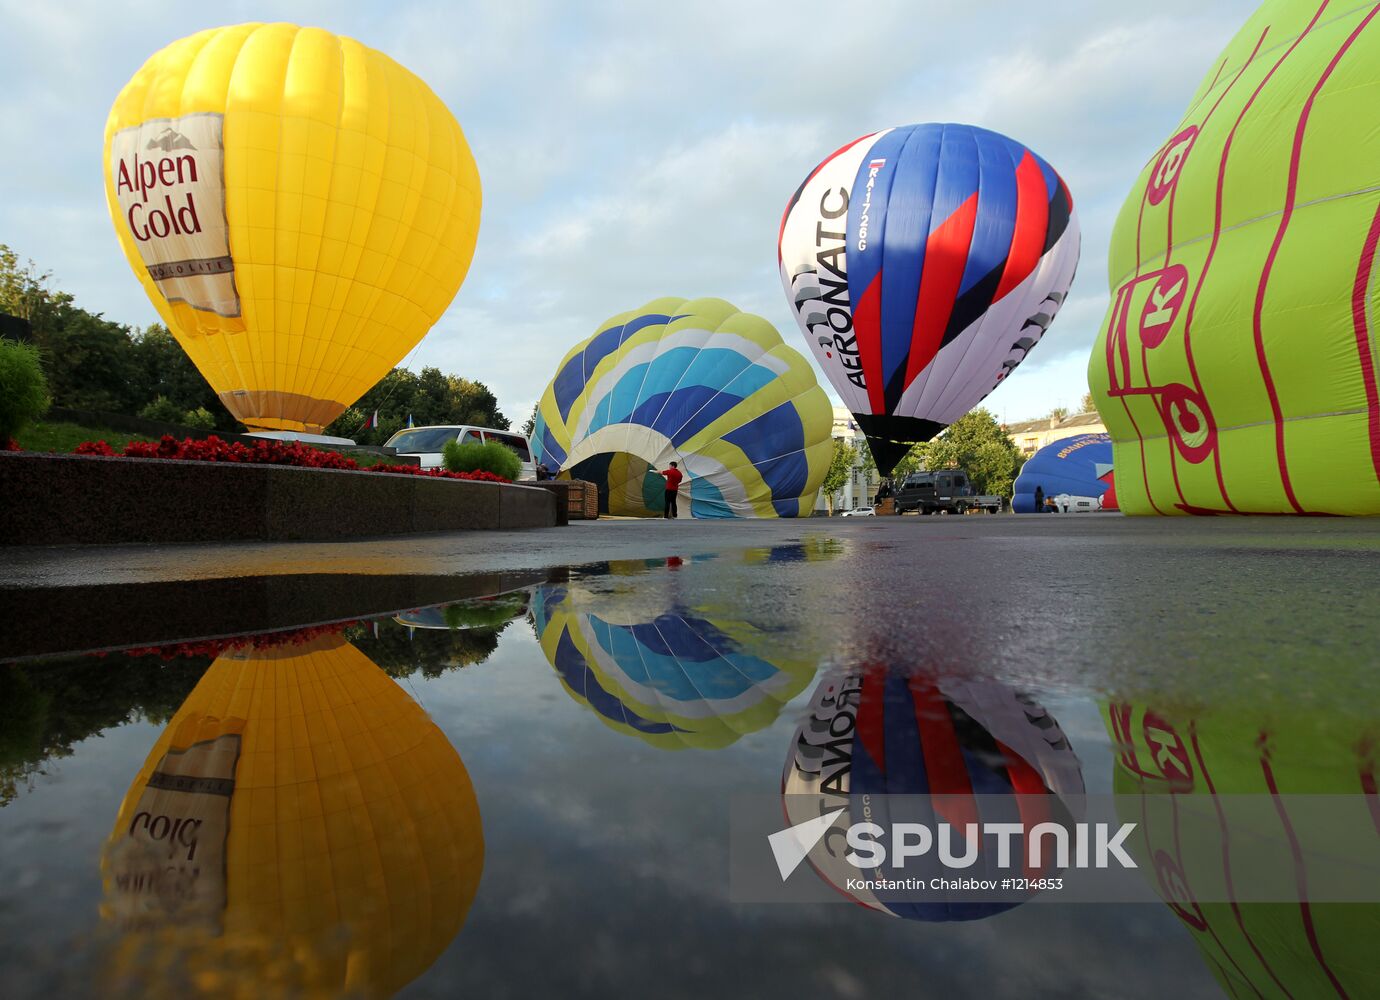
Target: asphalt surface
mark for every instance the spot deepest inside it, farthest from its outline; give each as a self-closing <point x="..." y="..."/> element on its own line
<point x="1066" y="597"/>
<point x="1229" y="629"/>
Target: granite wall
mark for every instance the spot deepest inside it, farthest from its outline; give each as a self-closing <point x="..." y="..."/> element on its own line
<point x="80" y="499"/>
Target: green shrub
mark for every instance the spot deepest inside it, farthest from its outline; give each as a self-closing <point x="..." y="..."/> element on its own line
<point x="490" y="457"/>
<point x="163" y="410"/>
<point x="23" y="388"/>
<point x="485" y="612"/>
<point x="200" y="418"/>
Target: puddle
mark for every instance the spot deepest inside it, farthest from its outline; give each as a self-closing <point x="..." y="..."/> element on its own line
<point x="512" y="785"/>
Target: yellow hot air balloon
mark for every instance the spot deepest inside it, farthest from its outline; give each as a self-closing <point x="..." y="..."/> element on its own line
<point x="301" y="826"/>
<point x="299" y="208"/>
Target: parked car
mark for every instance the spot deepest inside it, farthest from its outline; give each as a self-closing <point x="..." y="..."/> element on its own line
<point x="1066" y="503"/>
<point x="427" y="442"/>
<point x="948" y="491"/>
<point x="860" y="512"/>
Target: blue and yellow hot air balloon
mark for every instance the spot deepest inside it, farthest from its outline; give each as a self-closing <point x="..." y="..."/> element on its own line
<point x="673" y="676"/>
<point x="695" y="382"/>
<point x="299" y="208"/>
<point x="923" y="264"/>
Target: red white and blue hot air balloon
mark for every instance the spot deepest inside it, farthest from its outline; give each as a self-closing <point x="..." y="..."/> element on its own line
<point x="893" y="745"/>
<point x="923" y="263"/>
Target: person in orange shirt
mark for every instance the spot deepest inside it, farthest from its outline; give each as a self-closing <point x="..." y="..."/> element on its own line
<point x="673" y="476"/>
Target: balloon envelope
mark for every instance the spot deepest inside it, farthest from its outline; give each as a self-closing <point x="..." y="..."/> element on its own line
<point x="1080" y="466"/>
<point x="695" y="382"/>
<point x="923" y="263"/>
<point x="1224" y="763"/>
<point x="299" y="208"/>
<point x="1236" y="369"/>
<point x="300" y="812"/>
<point x="972" y="751"/>
<point x="673" y="676"/>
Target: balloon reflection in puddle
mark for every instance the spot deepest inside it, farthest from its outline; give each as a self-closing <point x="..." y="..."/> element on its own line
<point x="301" y="826"/>
<point x="675" y="671"/>
<point x="1298" y="948"/>
<point x="960" y="750"/>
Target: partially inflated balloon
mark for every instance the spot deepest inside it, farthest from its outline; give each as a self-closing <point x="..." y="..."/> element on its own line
<point x="1237" y="368"/>
<point x="1246" y="769"/>
<point x="1080" y="466"/>
<point x="299" y="208"/>
<point x="671" y="675"/>
<point x="923" y="263"/>
<point x="700" y="383"/>
<point x="300" y="826"/>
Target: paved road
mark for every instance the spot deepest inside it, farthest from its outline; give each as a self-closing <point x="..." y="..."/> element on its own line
<point x="1052" y="595"/>
<point x="1054" y="551"/>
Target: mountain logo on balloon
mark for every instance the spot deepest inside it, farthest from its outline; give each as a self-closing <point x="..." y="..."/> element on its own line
<point x="168" y="140"/>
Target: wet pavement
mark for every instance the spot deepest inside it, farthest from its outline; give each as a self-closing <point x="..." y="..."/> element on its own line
<point x="505" y="764"/>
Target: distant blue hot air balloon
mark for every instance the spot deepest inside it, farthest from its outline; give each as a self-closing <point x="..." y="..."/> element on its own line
<point x="1080" y="466"/>
<point x="923" y="263"/>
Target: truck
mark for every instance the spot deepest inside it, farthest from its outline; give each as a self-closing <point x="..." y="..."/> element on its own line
<point x="947" y="491"/>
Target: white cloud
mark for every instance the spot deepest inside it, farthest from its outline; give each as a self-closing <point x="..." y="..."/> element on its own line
<point x="630" y="152"/>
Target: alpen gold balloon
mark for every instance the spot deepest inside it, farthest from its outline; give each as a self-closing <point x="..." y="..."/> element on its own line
<point x="301" y="827"/>
<point x="299" y="208"/>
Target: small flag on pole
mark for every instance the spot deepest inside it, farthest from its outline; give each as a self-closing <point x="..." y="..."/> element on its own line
<point x="371" y="421"/>
<point x="409" y="420"/>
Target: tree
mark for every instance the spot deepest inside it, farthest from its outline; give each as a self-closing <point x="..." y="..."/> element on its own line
<point x="23" y="389"/>
<point x="87" y="359"/>
<point x="23" y="288"/>
<point x="977" y="443"/>
<point x="1059" y="413"/>
<point x="94" y="364"/>
<point x="472" y="402"/>
<point x="1086" y="405"/>
<point x="914" y="460"/>
<point x="162" y="369"/>
<point x="429" y="398"/>
<point x="530" y="424"/>
<point x="840" y="468"/>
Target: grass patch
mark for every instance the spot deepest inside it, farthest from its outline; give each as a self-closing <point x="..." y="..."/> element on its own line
<point x="64" y="438"/>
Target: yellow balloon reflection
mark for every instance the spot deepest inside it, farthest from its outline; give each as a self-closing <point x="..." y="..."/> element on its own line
<point x="300" y="826"/>
<point x="299" y="208"/>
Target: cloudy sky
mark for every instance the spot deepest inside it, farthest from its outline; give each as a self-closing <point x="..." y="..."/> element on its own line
<point x="633" y="150"/>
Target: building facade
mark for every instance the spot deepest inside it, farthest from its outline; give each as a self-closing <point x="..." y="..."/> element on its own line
<point x="1029" y="436"/>
<point x="860" y="490"/>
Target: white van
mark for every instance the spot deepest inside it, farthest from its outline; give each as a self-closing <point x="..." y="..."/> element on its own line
<point x="426" y="443"/>
<point x="1067" y="504"/>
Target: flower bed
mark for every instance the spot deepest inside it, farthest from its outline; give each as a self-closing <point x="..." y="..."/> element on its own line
<point x="266" y="452"/>
<point x="253" y="642"/>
